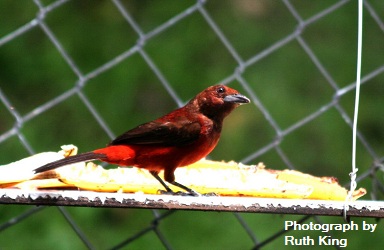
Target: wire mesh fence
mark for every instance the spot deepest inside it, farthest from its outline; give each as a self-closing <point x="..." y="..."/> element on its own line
<point x="82" y="72"/>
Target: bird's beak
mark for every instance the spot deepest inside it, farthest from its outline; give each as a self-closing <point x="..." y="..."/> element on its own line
<point x="236" y="98"/>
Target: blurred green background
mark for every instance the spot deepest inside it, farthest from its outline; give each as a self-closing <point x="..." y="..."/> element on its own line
<point x="190" y="56"/>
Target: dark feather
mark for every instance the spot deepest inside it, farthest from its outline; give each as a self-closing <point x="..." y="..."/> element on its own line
<point x="161" y="134"/>
<point x="69" y="160"/>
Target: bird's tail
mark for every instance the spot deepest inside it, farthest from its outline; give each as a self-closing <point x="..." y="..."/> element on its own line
<point x="69" y="160"/>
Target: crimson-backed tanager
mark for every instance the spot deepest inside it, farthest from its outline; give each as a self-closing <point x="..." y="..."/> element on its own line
<point x="177" y="139"/>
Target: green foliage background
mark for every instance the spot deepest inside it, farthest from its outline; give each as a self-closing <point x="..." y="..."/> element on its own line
<point x="191" y="57"/>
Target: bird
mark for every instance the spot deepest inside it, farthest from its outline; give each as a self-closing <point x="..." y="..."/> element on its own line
<point x="177" y="139"/>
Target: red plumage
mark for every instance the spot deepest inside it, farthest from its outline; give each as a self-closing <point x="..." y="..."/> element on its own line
<point x="177" y="139"/>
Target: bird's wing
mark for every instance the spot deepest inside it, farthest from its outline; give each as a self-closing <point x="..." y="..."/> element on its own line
<point x="182" y="132"/>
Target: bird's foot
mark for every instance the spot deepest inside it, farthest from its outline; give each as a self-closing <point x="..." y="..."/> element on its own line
<point x="211" y="194"/>
<point x="178" y="193"/>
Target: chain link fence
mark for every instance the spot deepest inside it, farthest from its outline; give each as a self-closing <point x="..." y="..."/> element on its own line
<point x="83" y="72"/>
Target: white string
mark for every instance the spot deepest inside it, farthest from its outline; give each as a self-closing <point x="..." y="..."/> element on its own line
<point x="357" y="98"/>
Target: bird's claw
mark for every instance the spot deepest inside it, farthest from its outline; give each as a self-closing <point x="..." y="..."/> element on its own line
<point x="178" y="193"/>
<point x="210" y="194"/>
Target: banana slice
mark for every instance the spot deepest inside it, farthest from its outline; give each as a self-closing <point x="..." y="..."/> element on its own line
<point x="221" y="178"/>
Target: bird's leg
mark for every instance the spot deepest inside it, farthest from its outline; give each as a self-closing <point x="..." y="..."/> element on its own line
<point x="169" y="191"/>
<point x="156" y="175"/>
<point x="189" y="190"/>
<point x="169" y="176"/>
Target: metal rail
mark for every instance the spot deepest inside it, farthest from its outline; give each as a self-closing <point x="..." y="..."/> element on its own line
<point x="362" y="208"/>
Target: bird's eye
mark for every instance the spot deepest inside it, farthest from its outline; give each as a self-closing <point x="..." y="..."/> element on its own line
<point x="220" y="90"/>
